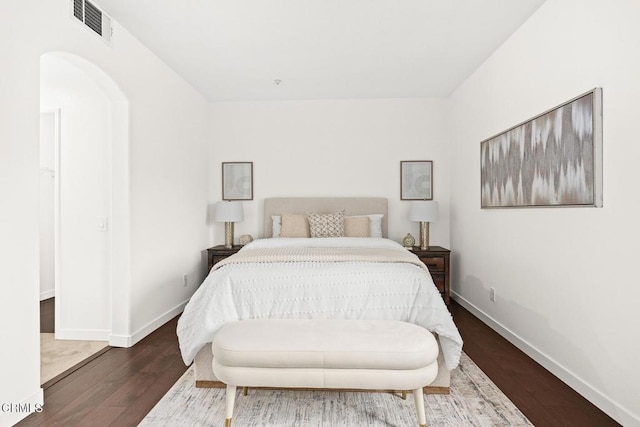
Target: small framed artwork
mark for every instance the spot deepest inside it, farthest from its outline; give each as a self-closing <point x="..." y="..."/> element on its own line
<point x="416" y="180"/>
<point x="237" y="180"/>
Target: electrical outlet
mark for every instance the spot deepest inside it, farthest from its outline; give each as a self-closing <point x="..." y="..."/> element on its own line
<point x="185" y="280"/>
<point x="103" y="224"/>
<point x="492" y="294"/>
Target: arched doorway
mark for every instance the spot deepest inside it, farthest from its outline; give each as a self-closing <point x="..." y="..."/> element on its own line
<point x="91" y="214"/>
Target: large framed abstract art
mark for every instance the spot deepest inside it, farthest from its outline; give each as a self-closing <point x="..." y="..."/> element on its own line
<point x="553" y="159"/>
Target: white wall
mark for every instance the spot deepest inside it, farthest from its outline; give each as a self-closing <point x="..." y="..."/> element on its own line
<point x="19" y="186"/>
<point x="169" y="187"/>
<point x="565" y="278"/>
<point x="166" y="160"/>
<point x="332" y="148"/>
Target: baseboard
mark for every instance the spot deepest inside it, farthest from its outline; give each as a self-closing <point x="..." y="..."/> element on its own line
<point x="82" y="334"/>
<point x="13" y="412"/>
<point x="130" y="340"/>
<point x="123" y="341"/>
<point x="47" y="294"/>
<point x="608" y="406"/>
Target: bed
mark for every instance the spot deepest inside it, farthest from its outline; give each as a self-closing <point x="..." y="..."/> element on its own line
<point x="326" y="277"/>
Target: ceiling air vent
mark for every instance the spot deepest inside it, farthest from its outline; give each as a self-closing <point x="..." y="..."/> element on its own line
<point x="89" y="14"/>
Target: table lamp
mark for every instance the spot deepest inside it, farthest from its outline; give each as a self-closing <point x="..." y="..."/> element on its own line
<point x="228" y="212"/>
<point x="424" y="211"/>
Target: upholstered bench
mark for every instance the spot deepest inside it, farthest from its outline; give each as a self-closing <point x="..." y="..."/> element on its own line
<point x="330" y="354"/>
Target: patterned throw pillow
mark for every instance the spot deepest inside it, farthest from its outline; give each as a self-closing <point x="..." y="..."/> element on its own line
<point x="326" y="225"/>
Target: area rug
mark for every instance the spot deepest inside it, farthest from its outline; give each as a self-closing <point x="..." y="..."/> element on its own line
<point x="58" y="356"/>
<point x="474" y="401"/>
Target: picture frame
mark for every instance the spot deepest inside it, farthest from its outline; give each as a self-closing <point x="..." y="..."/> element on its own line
<point x="416" y="180"/>
<point x="237" y="180"/>
<point x="551" y="160"/>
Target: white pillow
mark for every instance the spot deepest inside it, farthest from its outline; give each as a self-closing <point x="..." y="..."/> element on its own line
<point x="375" y="224"/>
<point x="276" y="225"/>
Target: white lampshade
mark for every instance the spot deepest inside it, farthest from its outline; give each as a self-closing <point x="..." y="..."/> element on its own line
<point x="424" y="211"/>
<point x="228" y="212"/>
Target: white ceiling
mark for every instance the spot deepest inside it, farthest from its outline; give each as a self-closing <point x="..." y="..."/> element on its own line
<point x="322" y="49"/>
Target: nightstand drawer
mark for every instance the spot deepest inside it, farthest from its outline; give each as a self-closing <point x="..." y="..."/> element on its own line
<point x="217" y="258"/>
<point x="437" y="259"/>
<point x="433" y="263"/>
<point x="218" y="253"/>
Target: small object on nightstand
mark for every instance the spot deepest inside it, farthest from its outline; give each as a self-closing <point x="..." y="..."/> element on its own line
<point x="245" y="238"/>
<point x="409" y="241"/>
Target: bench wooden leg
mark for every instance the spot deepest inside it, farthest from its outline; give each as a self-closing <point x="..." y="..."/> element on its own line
<point x="231" y="400"/>
<point x="418" y="397"/>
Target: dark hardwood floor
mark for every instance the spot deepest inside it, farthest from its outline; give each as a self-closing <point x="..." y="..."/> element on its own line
<point x="122" y="385"/>
<point x="117" y="388"/>
<point x="47" y="316"/>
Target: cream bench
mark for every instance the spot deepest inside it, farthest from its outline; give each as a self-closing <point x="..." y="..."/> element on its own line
<point x="329" y="354"/>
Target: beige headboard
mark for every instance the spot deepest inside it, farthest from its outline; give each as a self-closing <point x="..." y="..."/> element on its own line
<point x="351" y="206"/>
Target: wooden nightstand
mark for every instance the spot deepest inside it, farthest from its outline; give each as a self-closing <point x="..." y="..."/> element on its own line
<point x="218" y="253"/>
<point x="436" y="258"/>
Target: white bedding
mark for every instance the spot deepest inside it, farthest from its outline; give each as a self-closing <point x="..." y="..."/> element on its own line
<point x="344" y="290"/>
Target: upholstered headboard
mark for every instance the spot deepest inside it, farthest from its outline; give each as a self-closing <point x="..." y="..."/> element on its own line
<point x="301" y="205"/>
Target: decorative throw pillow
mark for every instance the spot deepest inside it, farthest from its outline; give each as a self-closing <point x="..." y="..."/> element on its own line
<point x="326" y="225"/>
<point x="294" y="225"/>
<point x="357" y="226"/>
<point x="375" y="223"/>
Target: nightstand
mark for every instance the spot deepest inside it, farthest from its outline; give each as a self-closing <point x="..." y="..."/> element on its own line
<point x="436" y="258"/>
<point x="218" y="253"/>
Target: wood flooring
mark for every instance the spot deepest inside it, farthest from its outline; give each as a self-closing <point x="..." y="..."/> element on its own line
<point x="47" y="316"/>
<point x="122" y="385"/>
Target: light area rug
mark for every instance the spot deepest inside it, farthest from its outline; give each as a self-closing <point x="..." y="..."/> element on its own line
<point x="473" y="401"/>
<point x="56" y="356"/>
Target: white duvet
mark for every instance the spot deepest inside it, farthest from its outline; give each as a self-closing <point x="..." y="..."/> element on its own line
<point x="342" y="290"/>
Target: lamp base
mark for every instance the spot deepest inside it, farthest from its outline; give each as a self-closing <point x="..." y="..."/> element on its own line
<point x="424" y="235"/>
<point x="228" y="235"/>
